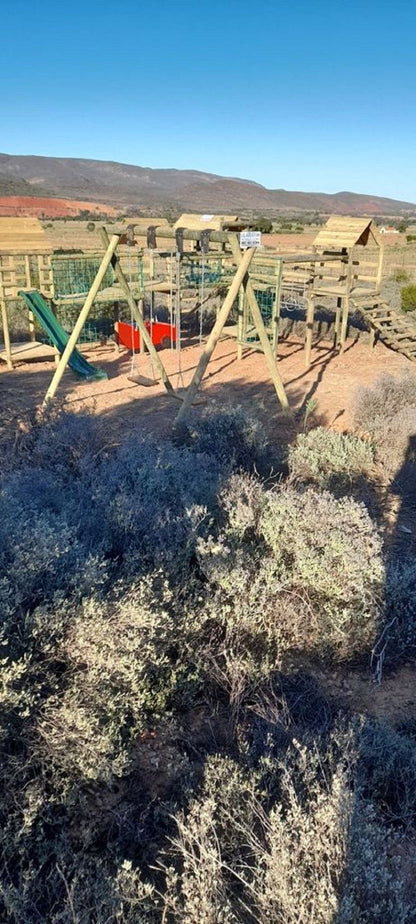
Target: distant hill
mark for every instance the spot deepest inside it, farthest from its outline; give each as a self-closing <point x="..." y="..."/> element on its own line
<point x="124" y="185"/>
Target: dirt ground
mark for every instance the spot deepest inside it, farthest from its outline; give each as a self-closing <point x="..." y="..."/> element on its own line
<point x="330" y="382"/>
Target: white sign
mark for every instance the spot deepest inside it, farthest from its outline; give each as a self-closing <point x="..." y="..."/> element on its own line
<point x="250" y="239"/>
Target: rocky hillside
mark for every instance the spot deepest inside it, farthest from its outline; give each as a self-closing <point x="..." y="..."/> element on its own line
<point x="125" y="185"/>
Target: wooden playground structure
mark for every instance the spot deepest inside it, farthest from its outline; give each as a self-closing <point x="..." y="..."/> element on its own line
<point x="137" y="267"/>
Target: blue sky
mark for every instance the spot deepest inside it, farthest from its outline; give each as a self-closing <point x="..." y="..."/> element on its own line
<point x="317" y="96"/>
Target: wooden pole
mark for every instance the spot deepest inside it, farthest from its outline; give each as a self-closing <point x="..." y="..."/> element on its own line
<point x="277" y="304"/>
<point x="240" y="322"/>
<point x="138" y="316"/>
<point x="258" y="320"/>
<point x="6" y="334"/>
<point x="346" y="304"/>
<point x="310" y="317"/>
<point x="82" y="317"/>
<point x="28" y="274"/>
<point x="215" y="333"/>
<point x="337" y="322"/>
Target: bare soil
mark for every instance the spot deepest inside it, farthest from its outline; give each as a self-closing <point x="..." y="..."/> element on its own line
<point x="331" y="382"/>
<point x="35" y="207"/>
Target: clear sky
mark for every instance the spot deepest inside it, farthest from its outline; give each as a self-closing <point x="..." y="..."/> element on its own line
<point x="317" y="96"/>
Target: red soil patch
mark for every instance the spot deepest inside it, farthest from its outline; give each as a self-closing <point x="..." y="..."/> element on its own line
<point x="33" y="207"/>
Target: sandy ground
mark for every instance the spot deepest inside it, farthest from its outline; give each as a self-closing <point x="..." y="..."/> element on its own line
<point x="330" y="382"/>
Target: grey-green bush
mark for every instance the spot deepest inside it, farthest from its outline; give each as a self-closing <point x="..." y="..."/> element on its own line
<point x="329" y="459"/>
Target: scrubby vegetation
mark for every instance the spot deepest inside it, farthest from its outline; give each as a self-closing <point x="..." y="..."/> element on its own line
<point x="167" y="753"/>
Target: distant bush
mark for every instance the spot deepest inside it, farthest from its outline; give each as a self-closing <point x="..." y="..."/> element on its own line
<point x="408" y="298"/>
<point x="329" y="459"/>
<point x="265" y="225"/>
<point x="400" y="275"/>
<point x="410" y="237"/>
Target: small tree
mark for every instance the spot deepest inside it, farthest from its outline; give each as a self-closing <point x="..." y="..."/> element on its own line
<point x="265" y="225"/>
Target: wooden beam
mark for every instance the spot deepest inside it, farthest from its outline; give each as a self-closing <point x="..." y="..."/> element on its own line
<point x="258" y="320"/>
<point x="82" y="317"/>
<point x="215" y="334"/>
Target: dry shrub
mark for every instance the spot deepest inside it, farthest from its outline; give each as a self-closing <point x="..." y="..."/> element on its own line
<point x="330" y="460"/>
<point x="121" y="676"/>
<point x="387" y="412"/>
<point x="290" y="570"/>
<point x="318" y="854"/>
<point x="231" y="436"/>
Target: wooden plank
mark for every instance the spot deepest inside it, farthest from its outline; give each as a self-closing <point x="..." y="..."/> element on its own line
<point x="31" y="350"/>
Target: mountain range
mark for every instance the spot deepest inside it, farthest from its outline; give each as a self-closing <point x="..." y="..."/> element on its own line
<point x="127" y="186"/>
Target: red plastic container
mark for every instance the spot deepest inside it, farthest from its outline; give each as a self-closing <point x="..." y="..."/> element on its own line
<point x="163" y="335"/>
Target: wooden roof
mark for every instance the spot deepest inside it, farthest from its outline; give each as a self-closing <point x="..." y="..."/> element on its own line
<point x="342" y="232"/>
<point x="199" y="222"/>
<point x="22" y="235"/>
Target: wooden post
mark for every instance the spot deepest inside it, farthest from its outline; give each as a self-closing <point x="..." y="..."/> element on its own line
<point x="380" y="269"/>
<point x="6" y="334"/>
<point x="28" y="275"/>
<point x="240" y="323"/>
<point x="372" y="338"/>
<point x="138" y="316"/>
<point x="277" y="301"/>
<point x="82" y="317"/>
<point x="215" y="333"/>
<point x="258" y="320"/>
<point x="310" y="317"/>
<point x="346" y="304"/>
<point x="337" y="322"/>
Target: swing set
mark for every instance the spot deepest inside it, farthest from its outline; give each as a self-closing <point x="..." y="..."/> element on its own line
<point x="145" y="335"/>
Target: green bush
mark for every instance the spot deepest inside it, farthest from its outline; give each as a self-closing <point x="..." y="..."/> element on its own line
<point x="408" y="295"/>
<point x="329" y="459"/>
<point x="400" y="275"/>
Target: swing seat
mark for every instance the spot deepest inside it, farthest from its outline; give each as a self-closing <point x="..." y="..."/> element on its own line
<point x="142" y="380"/>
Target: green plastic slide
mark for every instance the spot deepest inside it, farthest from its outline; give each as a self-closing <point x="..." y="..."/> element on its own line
<point x="59" y="336"/>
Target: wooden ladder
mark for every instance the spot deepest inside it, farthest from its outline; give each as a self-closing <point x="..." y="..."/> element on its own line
<point x="396" y="329"/>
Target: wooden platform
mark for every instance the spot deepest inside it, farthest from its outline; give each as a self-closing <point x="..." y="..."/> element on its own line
<point x="32" y="350"/>
<point x="116" y="294"/>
